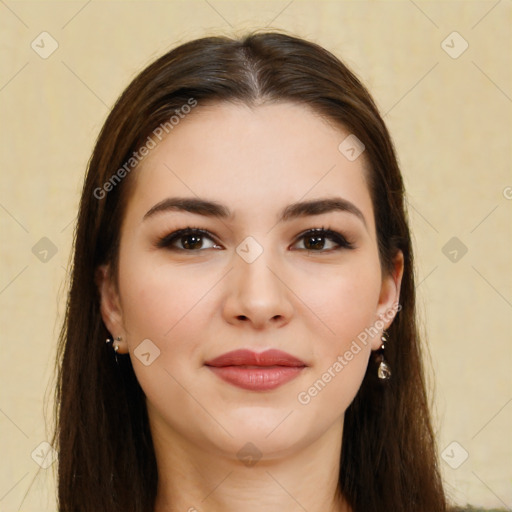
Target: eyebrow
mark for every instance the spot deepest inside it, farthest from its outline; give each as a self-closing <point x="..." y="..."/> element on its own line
<point x="292" y="211"/>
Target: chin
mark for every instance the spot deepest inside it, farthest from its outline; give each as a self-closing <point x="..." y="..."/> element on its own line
<point x="273" y="434"/>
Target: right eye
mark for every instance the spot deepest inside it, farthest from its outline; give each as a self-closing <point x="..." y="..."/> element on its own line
<point x="188" y="239"/>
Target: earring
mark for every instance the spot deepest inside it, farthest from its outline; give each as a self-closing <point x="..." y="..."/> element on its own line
<point x="115" y="345"/>
<point x="383" y="371"/>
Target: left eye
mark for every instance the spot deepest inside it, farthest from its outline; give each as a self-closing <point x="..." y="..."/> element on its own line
<point x="315" y="240"/>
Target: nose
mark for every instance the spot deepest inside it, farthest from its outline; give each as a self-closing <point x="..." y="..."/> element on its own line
<point x="257" y="294"/>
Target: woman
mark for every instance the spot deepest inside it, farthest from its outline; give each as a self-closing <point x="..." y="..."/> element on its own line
<point x="243" y="249"/>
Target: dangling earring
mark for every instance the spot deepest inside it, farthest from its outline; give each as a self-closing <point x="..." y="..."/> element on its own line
<point x="115" y="345"/>
<point x="383" y="371"/>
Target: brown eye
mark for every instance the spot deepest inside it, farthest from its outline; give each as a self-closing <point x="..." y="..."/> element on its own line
<point x="323" y="240"/>
<point x="314" y="242"/>
<point x="189" y="239"/>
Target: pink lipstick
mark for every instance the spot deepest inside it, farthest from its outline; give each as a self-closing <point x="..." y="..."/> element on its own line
<point x="256" y="371"/>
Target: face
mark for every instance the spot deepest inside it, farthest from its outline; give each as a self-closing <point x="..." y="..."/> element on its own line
<point x="252" y="273"/>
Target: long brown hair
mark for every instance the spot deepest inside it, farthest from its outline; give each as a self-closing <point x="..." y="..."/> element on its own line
<point x="107" y="461"/>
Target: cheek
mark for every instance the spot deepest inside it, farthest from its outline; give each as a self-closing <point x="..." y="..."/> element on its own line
<point x="344" y="303"/>
<point x="342" y="346"/>
<point x="157" y="299"/>
<point x="170" y="307"/>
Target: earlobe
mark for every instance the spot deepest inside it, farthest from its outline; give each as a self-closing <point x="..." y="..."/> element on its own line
<point x="390" y="293"/>
<point x="109" y="301"/>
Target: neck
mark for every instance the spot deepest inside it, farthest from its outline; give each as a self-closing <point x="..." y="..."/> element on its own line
<point x="201" y="479"/>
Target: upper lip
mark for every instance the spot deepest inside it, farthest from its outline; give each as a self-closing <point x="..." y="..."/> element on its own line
<point x="270" y="357"/>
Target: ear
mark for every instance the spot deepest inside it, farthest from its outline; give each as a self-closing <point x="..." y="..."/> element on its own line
<point x="110" y="305"/>
<point x="389" y="295"/>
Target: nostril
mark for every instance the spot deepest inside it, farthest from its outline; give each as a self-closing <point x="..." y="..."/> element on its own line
<point x="242" y="317"/>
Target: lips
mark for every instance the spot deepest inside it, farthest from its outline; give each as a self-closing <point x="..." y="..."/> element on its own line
<point x="248" y="358"/>
<point x="256" y="371"/>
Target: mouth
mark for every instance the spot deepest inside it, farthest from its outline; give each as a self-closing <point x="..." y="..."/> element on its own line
<point x="256" y="371"/>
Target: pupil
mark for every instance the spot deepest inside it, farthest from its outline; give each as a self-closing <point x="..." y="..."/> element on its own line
<point x="191" y="241"/>
<point x="315" y="242"/>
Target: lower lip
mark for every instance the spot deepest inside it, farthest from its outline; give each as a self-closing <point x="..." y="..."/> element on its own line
<point x="257" y="379"/>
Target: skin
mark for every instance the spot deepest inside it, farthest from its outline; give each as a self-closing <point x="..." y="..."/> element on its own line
<point x="199" y="304"/>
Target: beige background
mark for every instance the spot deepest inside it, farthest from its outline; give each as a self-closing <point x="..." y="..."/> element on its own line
<point x="451" y="121"/>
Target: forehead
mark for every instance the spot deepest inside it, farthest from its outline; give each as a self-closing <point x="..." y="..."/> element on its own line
<point x="253" y="159"/>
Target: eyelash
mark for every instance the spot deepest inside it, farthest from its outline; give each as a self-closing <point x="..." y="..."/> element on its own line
<point x="338" y="238"/>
